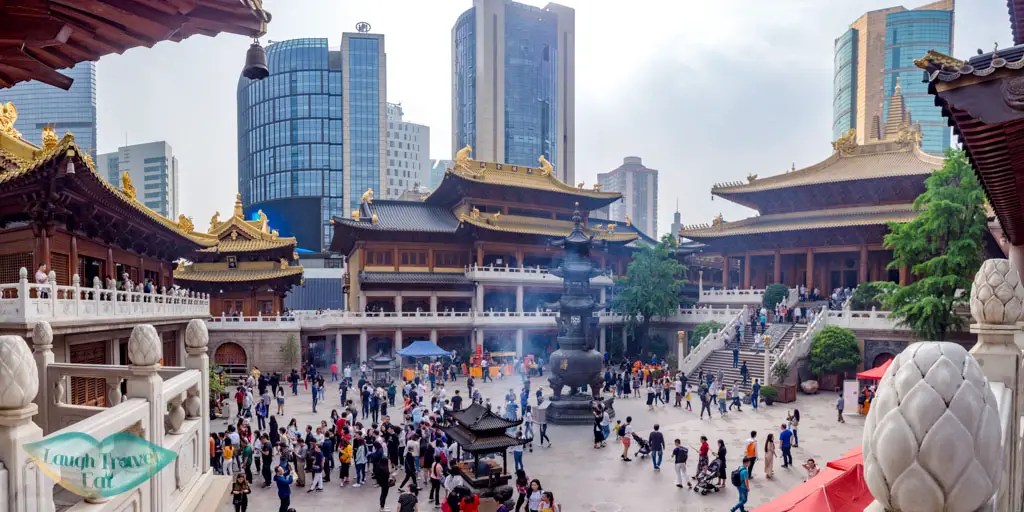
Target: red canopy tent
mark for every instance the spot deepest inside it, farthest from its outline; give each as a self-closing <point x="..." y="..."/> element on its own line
<point x="875" y="373"/>
<point x="831" y="491"/>
<point x="848" y="460"/>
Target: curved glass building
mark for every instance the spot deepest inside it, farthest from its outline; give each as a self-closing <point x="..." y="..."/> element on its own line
<point x="293" y="162"/>
<point x="513" y="97"/>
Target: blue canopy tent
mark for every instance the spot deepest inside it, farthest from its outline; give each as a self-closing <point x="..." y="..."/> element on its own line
<point x="423" y="349"/>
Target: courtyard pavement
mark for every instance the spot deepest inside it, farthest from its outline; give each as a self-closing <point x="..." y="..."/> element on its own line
<point x="587" y="480"/>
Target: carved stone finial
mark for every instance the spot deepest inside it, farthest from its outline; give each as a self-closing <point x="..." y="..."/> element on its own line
<point x="144" y="346"/>
<point x="933" y="397"/>
<point x="185" y="223"/>
<point x="8" y="115"/>
<point x="18" y="373"/>
<point x="238" y="207"/>
<point x="196" y="334"/>
<point x="214" y="221"/>
<point x="50" y="139"/>
<point x="42" y="335"/>
<point x="367" y="196"/>
<point x="997" y="294"/>
<point x="23" y="273"/>
<point x="126" y="185"/>
<point x="847" y="143"/>
<point x="545" y="167"/>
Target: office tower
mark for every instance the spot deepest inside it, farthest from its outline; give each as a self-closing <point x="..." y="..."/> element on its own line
<point x="677" y="222"/>
<point x="310" y="136"/>
<point x="639" y="188"/>
<point x="408" y="154"/>
<point x="73" y="110"/>
<point x="154" y="172"/>
<point x="513" y="83"/>
<point x="437" y="169"/>
<point x="877" y="51"/>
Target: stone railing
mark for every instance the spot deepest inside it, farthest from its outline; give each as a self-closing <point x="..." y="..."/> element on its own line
<point x="164" y="405"/>
<point x="526" y="275"/>
<point x="24" y="302"/>
<point x="793" y="298"/>
<point x="775" y="333"/>
<point x="735" y="296"/>
<point x="440" y="319"/>
<point x="796" y="348"/>
<point x="867" y="320"/>
<point x="712" y="342"/>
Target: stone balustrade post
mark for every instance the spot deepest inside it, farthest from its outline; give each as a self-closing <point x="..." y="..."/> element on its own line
<point x="51" y="282"/>
<point x="28" y="489"/>
<point x="932" y="397"/>
<point x="24" y="299"/>
<point x="197" y="357"/>
<point x="145" y="350"/>
<point x="42" y="353"/>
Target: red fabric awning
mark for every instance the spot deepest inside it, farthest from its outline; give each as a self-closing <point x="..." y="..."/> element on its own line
<point x="875" y="373"/>
<point x="797" y="494"/>
<point x="848" y="460"/>
<point x="831" y="491"/>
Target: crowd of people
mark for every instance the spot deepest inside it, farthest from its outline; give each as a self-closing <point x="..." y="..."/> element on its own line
<point x="361" y="445"/>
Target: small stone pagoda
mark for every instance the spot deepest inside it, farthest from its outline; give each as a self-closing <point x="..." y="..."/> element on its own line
<point x="479" y="431"/>
<point x="576" y="363"/>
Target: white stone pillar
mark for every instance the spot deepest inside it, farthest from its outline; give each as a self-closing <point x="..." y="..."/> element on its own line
<point x="478" y="339"/>
<point x="479" y="297"/>
<point x="337" y="351"/>
<point x="398" y="302"/>
<point x="604" y="295"/>
<point x="519" y="343"/>
<point x="625" y="339"/>
<point x="433" y="336"/>
<point x="398" y="340"/>
<point x="145" y="349"/>
<point x="433" y="302"/>
<point x="362" y="345"/>
<point x="519" y="299"/>
<point x="197" y="357"/>
<point x="42" y="352"/>
<point x="680" y="349"/>
<point x="362" y="302"/>
<point x="602" y="341"/>
<point x="28" y="489"/>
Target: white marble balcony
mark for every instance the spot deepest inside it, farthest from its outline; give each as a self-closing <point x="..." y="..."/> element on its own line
<point x="536" y="276"/>
<point x="24" y="303"/>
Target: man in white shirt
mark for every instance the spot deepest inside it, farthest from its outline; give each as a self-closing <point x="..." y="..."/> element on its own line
<point x="42" y="278"/>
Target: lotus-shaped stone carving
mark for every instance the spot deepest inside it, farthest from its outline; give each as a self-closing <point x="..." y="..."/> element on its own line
<point x="997" y="294"/>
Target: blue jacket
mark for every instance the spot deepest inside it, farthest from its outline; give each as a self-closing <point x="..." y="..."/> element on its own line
<point x="284" y="485"/>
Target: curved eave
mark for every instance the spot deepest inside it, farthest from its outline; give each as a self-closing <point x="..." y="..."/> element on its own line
<point x="455" y="186"/>
<point x="239" y="276"/>
<point x="803" y="221"/>
<point x="553" y="233"/>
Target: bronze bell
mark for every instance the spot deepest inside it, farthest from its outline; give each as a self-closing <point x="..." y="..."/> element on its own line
<point x="255" y="62"/>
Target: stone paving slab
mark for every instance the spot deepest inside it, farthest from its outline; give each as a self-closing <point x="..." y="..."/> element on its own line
<point x="587" y="480"/>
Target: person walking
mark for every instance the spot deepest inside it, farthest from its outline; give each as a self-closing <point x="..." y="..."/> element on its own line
<point x="382" y="474"/>
<point x="769" y="456"/>
<point x="736" y="351"/>
<point x="755" y="393"/>
<point x="280" y="401"/>
<point x="704" y="406"/>
<point x="840" y="404"/>
<point x="744" y="373"/>
<point x="544" y="429"/>
<point x="741" y="478"/>
<point x="517" y="450"/>
<point x="656" y="440"/>
<point x="436" y="474"/>
<point x="266" y="457"/>
<point x="624" y="431"/>
<point x="677" y="384"/>
<point x="679" y="455"/>
<point x="317" y="469"/>
<point x="722" y="471"/>
<point x="523" y="489"/>
<point x="240" y="493"/>
<point x="344" y="460"/>
<point x="794" y="422"/>
<point x="284" y="488"/>
<point x="702" y="455"/>
<point x="785" y="438"/>
<point x="751" y="451"/>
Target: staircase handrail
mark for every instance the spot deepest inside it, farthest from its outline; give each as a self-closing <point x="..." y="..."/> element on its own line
<point x="797" y="347"/>
<point x="715" y="340"/>
<point x="775" y="333"/>
<point x="793" y="298"/>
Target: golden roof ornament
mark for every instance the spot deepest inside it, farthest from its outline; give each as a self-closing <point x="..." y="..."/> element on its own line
<point x="462" y="158"/>
<point x="274" y="234"/>
<point x="495" y="217"/>
<point x="545" y="167"/>
<point x="908" y="135"/>
<point x="629" y="221"/>
<point x="611" y="227"/>
<point x="373" y="218"/>
<point x="936" y="60"/>
<point x="234" y="234"/>
<point x="185" y="223"/>
<point x="355" y="215"/>
<point x="238" y="206"/>
<point x="847" y="143"/>
<point x="8" y="115"/>
<point x="86" y="155"/>
<point x="367" y="196"/>
<point x="214" y="221"/>
<point x="126" y="185"/>
<point x="751" y="178"/>
<point x="718" y="221"/>
<point x="579" y="186"/>
<point x="284" y="263"/>
<point x="262" y="216"/>
<point x="597" y="187"/>
<point x="474" y="213"/>
<point x="181" y="266"/>
<point x="50" y="139"/>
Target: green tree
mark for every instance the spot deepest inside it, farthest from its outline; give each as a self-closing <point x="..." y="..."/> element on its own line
<point x="652" y="287"/>
<point x="703" y="329"/>
<point x="942" y="247"/>
<point x="290" y="351"/>
<point x="215" y="385"/>
<point x="871" y="295"/>
<point x="774" y="294"/>
<point x="833" y="350"/>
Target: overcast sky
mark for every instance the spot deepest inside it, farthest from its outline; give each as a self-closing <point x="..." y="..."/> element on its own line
<point x="702" y="91"/>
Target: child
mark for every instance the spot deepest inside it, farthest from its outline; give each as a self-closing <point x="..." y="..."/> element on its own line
<point x="618" y="425"/>
<point x="688" y="408"/>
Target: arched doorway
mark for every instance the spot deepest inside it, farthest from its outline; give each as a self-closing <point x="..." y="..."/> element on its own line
<point x="231" y="357"/>
<point x="881" y="359"/>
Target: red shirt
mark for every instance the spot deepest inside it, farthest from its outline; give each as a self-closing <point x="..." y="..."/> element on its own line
<point x="339" y="425"/>
<point x="704" y="449"/>
<point x="471" y="505"/>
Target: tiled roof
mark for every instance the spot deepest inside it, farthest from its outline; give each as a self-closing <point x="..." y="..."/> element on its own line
<point x="237" y="275"/>
<point x="413" y="278"/>
<point x="473" y="443"/>
<point x="478" y="418"/>
<point x="521" y="176"/>
<point x="621" y="227"/>
<point x="226" y="246"/>
<point x="544" y="227"/>
<point x="945" y="68"/>
<point x="797" y="221"/>
<point x="867" y="161"/>
<point x="404" y="216"/>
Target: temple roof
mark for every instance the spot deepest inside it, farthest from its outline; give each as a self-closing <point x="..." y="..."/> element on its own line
<point x="544" y="227"/>
<point x="233" y="246"/>
<point x="41" y="36"/>
<point x="796" y="221"/>
<point x="449" y="278"/>
<point x="236" y="275"/>
<point x="479" y="418"/>
<point x="1016" y="8"/>
<point x="473" y="443"/>
<point x="403" y="216"/>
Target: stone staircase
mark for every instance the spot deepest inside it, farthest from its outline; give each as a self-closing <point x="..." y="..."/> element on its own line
<point x="722" y="359"/>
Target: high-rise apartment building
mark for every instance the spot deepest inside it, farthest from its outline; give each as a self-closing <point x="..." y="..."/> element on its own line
<point x="311" y="137"/>
<point x="513" y="83"/>
<point x="639" y="188"/>
<point x="408" y="154"/>
<point x="877" y="51"/>
<point x="154" y="172"/>
<point x="73" y="110"/>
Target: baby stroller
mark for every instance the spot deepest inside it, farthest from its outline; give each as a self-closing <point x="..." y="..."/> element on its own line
<point x="706" y="479"/>
<point x="644" y="447"/>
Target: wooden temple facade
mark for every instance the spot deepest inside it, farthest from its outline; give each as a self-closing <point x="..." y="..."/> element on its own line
<point x="247" y="268"/>
<point x="823" y="226"/>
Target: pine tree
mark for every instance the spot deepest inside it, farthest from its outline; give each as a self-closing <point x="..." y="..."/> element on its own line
<point x="651" y="288"/>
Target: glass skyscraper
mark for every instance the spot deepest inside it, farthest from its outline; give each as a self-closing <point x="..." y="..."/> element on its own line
<point x="880" y="46"/>
<point x="513" y="72"/>
<point x="73" y="110"/>
<point x="292" y="134"/>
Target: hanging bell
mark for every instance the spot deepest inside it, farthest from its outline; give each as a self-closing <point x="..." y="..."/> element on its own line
<point x="255" y="62"/>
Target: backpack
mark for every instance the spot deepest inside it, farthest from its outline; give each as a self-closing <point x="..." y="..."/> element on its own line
<point x="736" y="480"/>
<point x="622" y="431"/>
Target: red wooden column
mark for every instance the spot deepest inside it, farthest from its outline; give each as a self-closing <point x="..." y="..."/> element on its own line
<point x="725" y="271"/>
<point x="777" y="274"/>
<point x="111" y="268"/>
<point x="746" y="271"/>
<point x="904" y="275"/>
<point x="810" y="270"/>
<point x="863" y="264"/>
<point x="74" y="260"/>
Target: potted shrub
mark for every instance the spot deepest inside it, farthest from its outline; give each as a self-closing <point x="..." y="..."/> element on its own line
<point x="769" y="394"/>
<point x="780" y="371"/>
<point x="833" y="351"/>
